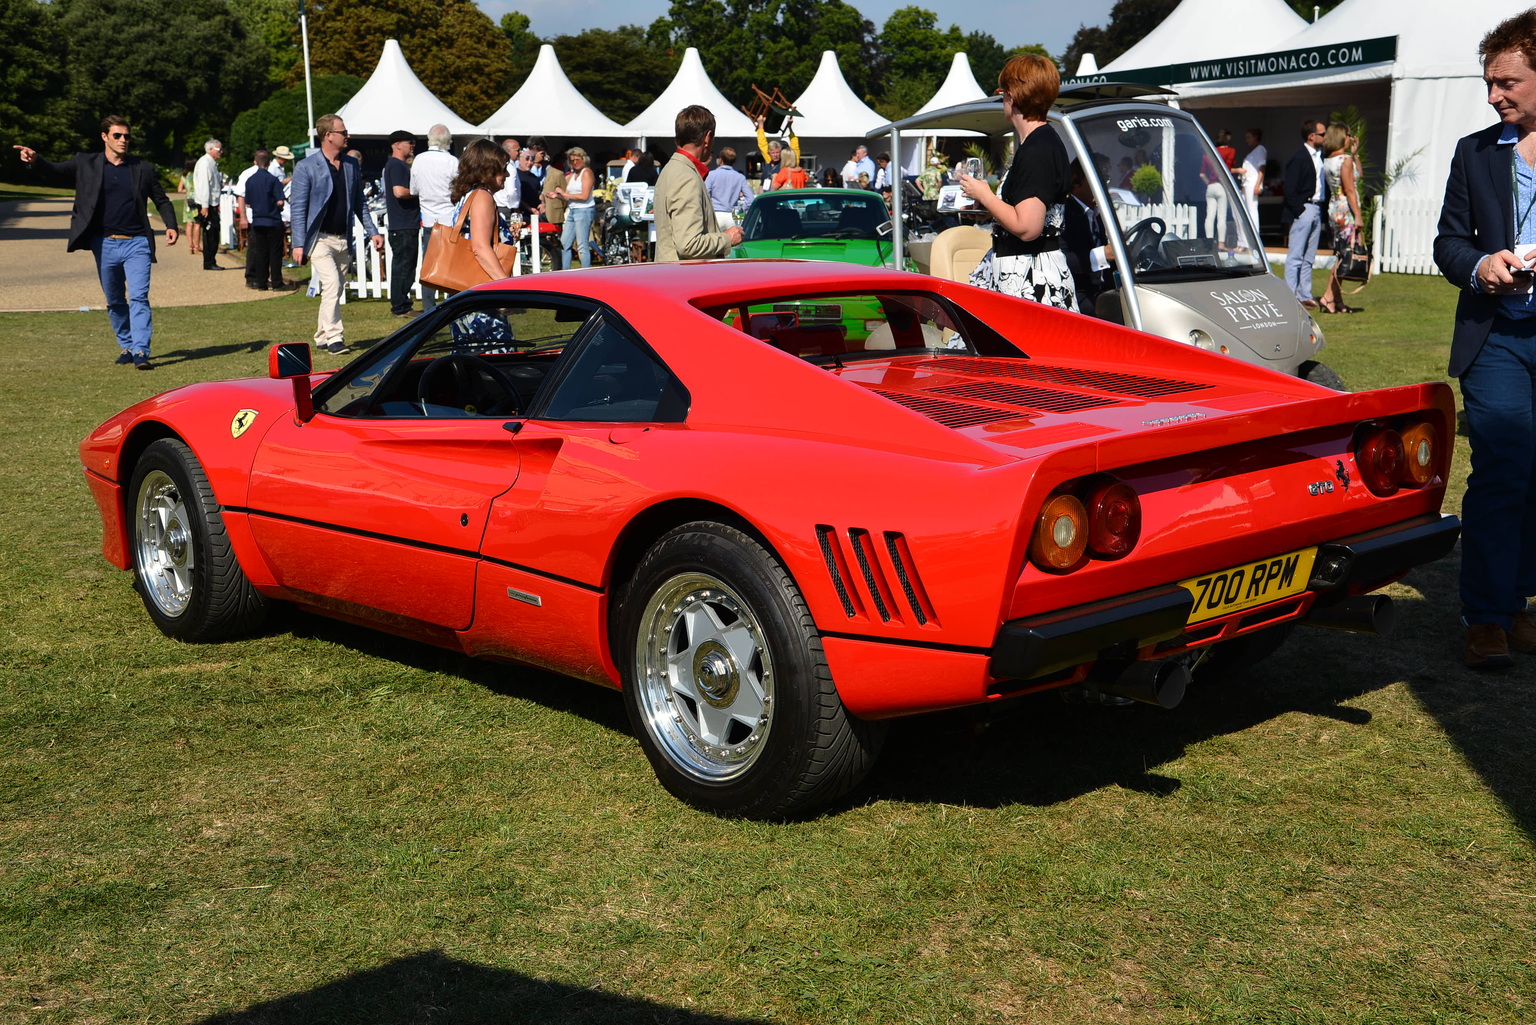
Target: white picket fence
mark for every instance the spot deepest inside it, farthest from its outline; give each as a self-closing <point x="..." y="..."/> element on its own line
<point x="1404" y="230"/>
<point x="371" y="269"/>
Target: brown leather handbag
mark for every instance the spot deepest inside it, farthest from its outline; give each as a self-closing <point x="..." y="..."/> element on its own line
<point x="449" y="263"/>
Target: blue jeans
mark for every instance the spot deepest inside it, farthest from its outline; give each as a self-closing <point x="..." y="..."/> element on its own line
<point x="1306" y="229"/>
<point x="1498" y="514"/>
<point x="428" y="293"/>
<point x="122" y="264"/>
<point x="578" y="229"/>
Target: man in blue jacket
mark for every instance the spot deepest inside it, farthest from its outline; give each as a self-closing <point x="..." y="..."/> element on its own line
<point x="1485" y="247"/>
<point x="109" y="219"/>
<point x="327" y="193"/>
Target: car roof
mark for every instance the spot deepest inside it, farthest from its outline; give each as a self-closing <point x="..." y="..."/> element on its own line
<point x="785" y="195"/>
<point x="986" y="115"/>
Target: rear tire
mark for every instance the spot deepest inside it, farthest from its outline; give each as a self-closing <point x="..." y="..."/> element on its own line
<point x="183" y="567"/>
<point x="1320" y="373"/>
<point x="726" y="683"/>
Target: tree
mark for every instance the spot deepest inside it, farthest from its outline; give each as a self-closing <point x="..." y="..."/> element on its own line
<point x="913" y="49"/>
<point x="618" y="72"/>
<point x="178" y="70"/>
<point x="283" y="117"/>
<point x="454" y="48"/>
<point x="987" y="58"/>
<point x="276" y="23"/>
<point x="522" y="44"/>
<point x="32" y="80"/>
<point x="1129" y="22"/>
<point x="770" y="43"/>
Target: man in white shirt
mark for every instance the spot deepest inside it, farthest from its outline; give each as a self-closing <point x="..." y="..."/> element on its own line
<point x="1253" y="171"/>
<point x="1306" y="196"/>
<point x="510" y="198"/>
<point x="432" y="176"/>
<point x="207" y="184"/>
<point x="857" y="165"/>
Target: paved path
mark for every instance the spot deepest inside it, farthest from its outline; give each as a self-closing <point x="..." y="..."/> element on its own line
<point x="37" y="274"/>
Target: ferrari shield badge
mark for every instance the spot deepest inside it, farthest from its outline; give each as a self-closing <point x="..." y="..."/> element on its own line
<point x="242" y="422"/>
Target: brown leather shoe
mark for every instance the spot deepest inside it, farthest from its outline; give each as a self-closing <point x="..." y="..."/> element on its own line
<point x="1487" y="647"/>
<point x="1522" y="634"/>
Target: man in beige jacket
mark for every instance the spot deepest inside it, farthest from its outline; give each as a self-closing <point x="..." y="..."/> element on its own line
<point x="686" y="228"/>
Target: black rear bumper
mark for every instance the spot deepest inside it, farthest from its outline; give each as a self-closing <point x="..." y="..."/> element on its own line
<point x="1048" y="643"/>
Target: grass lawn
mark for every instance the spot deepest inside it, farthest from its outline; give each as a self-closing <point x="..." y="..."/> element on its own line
<point x="323" y="824"/>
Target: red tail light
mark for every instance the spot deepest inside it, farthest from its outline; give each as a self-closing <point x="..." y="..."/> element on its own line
<point x="1382" y="461"/>
<point x="1114" y="519"/>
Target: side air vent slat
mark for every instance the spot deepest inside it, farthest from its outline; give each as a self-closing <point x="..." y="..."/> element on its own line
<point x="862" y="552"/>
<point x="895" y="545"/>
<point x="1113" y="382"/>
<point x="827" y="537"/>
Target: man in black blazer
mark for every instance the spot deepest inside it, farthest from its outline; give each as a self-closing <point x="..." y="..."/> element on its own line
<point x="109" y="219"/>
<point x="1082" y="242"/>
<point x="1486" y="241"/>
<point x="1306" y="197"/>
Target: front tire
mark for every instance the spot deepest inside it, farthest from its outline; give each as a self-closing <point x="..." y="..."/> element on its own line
<point x="183" y="567"/>
<point x="727" y="686"/>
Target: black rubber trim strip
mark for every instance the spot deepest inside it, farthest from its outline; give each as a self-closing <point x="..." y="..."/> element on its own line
<point x="962" y="649"/>
<point x="423" y="545"/>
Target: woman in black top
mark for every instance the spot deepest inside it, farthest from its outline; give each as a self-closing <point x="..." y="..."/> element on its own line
<point x="1026" y="258"/>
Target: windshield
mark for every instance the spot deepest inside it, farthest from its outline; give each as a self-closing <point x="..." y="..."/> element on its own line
<point x="814" y="213"/>
<point x="1176" y="207"/>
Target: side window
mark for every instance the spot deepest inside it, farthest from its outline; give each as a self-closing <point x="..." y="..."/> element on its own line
<point x="614" y="379"/>
<point x="488" y="361"/>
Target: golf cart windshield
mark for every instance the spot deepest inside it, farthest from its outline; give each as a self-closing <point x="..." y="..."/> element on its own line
<point x="1173" y="199"/>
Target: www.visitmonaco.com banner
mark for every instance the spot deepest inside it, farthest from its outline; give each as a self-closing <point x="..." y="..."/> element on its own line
<point x="1333" y="57"/>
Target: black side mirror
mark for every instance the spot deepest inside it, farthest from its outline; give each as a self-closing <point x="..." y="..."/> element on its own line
<point x="293" y="362"/>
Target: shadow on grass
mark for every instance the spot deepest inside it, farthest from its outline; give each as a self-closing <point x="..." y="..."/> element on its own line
<point x="1040" y="750"/>
<point x="598" y="705"/>
<point x="1490" y="717"/>
<point x="433" y="987"/>
<point x="211" y="351"/>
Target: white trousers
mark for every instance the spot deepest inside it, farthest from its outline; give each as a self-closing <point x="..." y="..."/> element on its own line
<point x="331" y="260"/>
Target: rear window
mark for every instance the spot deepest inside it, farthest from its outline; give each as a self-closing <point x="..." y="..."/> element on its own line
<point x="827" y="328"/>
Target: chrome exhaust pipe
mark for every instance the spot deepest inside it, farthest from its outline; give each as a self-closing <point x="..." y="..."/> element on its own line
<point x="1159" y="682"/>
<point x="1362" y="614"/>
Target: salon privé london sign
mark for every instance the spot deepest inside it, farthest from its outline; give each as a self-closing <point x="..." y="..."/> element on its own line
<point x="1333" y="57"/>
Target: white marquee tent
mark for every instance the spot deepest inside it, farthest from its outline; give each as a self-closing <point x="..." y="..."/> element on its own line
<point x="959" y="87"/>
<point x="690" y="85"/>
<point x="548" y="104"/>
<point x="1434" y="91"/>
<point x="393" y="99"/>
<point x="1199" y="30"/>
<point x="832" y="116"/>
<point x="1409" y="66"/>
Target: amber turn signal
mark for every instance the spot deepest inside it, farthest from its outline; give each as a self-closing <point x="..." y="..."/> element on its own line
<point x="1061" y="533"/>
<point x="1421" y="443"/>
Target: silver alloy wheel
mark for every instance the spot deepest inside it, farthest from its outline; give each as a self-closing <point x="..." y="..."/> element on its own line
<point x="705" y="678"/>
<point x="164" y="544"/>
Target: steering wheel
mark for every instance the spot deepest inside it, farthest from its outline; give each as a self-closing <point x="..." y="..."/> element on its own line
<point x="1142" y="241"/>
<point x="469" y="383"/>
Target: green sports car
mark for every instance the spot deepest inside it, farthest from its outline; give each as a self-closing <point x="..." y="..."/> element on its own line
<point x="841" y="225"/>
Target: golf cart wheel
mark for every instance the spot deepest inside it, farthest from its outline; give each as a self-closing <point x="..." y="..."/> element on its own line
<point x="1320" y="373"/>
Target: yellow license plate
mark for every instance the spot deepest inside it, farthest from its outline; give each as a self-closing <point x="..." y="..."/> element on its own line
<point x="1244" y="587"/>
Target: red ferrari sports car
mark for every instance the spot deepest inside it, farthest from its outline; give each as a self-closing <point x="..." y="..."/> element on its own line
<point x="779" y="503"/>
